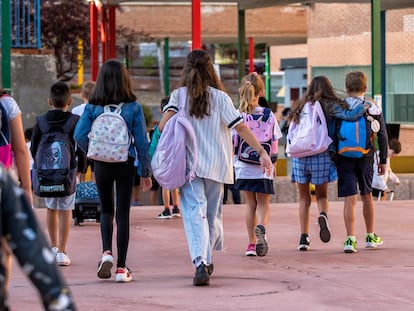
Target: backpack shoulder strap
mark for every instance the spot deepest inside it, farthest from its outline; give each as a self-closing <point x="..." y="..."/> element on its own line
<point x="43" y="123"/>
<point x="70" y="123"/>
<point x="266" y="114"/>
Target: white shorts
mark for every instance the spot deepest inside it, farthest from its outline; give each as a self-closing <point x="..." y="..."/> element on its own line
<point x="66" y="203"/>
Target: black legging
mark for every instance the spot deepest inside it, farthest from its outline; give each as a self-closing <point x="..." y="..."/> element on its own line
<point x="122" y="176"/>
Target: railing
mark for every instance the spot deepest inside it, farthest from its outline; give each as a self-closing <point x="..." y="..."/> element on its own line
<point x="25" y="23"/>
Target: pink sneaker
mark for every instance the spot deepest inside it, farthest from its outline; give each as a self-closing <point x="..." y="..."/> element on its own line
<point x="123" y="275"/>
<point x="251" y="250"/>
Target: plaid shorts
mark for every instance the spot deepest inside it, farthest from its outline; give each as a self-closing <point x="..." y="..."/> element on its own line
<point x="317" y="169"/>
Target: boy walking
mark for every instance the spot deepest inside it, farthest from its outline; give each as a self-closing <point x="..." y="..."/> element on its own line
<point x="52" y="147"/>
<point x="358" y="172"/>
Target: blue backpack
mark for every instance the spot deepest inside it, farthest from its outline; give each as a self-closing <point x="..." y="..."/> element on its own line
<point x="352" y="138"/>
<point x="54" y="170"/>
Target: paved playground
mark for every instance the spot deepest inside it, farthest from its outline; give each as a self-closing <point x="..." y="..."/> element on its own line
<point x="324" y="278"/>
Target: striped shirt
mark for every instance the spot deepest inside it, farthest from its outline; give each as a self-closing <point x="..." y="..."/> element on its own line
<point x="213" y="134"/>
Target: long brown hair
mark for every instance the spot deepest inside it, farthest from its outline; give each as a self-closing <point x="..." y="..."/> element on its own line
<point x="197" y="75"/>
<point x="113" y="85"/>
<point x="320" y="89"/>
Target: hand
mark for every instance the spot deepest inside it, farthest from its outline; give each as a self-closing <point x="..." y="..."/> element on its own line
<point x="146" y="183"/>
<point x="266" y="163"/>
<point x="382" y="168"/>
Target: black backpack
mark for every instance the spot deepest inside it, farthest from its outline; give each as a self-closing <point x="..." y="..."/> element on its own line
<point x="5" y="144"/>
<point x="54" y="174"/>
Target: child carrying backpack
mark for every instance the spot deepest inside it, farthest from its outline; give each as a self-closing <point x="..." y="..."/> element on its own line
<point x="54" y="178"/>
<point x="257" y="186"/>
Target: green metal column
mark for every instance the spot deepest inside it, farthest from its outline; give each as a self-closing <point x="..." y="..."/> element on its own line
<point x="383" y="66"/>
<point x="376" y="46"/>
<point x="267" y="66"/>
<point x="241" y="42"/>
<point x="166" y="67"/>
<point x="5" y="45"/>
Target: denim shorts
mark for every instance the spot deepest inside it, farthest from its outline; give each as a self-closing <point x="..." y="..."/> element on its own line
<point x="354" y="173"/>
<point x="66" y="203"/>
<point x="317" y="169"/>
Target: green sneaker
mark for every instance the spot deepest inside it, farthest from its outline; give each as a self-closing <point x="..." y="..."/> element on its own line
<point x="372" y="241"/>
<point x="350" y="246"/>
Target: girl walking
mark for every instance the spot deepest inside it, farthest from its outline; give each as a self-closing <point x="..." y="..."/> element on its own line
<point x="257" y="186"/>
<point x="114" y="86"/>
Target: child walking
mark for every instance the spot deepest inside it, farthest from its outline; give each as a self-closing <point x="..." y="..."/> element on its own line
<point x="114" y="86"/>
<point x="318" y="169"/>
<point x="59" y="208"/>
<point x="257" y="186"/>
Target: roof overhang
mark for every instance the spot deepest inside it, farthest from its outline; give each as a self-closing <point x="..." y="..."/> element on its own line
<point x="249" y="4"/>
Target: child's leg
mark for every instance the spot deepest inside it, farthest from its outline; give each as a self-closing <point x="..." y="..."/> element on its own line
<point x="368" y="212"/>
<point x="166" y="197"/>
<point x="263" y="208"/>
<point x="65" y="218"/>
<point x="304" y="207"/>
<point x="52" y="226"/>
<point x="175" y="197"/>
<point x="250" y="215"/>
<point x="321" y="192"/>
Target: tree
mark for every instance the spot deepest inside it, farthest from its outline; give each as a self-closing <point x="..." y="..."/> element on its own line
<point x="63" y="23"/>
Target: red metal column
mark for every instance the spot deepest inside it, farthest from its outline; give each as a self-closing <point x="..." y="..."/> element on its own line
<point x="112" y="32"/>
<point x="104" y="34"/>
<point x="251" y="54"/>
<point x="93" y="12"/>
<point x="196" y="24"/>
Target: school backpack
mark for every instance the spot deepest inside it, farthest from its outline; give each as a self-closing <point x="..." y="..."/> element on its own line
<point x="310" y="135"/>
<point x="109" y="138"/>
<point x="54" y="174"/>
<point x="6" y="157"/>
<point x="175" y="157"/>
<point x="261" y="126"/>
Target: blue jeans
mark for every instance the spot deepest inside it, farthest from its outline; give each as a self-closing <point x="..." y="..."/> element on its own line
<point x="201" y="207"/>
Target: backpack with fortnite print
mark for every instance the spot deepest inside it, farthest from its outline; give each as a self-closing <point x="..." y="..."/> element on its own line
<point x="109" y="138"/>
<point x="310" y="135"/>
<point x="261" y="125"/>
<point x="54" y="174"/>
<point x="6" y="157"/>
<point x="175" y="157"/>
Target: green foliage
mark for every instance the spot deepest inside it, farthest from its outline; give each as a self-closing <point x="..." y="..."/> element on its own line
<point x="148" y="62"/>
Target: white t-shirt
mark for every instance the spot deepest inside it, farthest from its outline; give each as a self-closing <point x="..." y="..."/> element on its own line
<point x="78" y="110"/>
<point x="11" y="107"/>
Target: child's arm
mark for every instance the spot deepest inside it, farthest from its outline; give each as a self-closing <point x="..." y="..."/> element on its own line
<point x="351" y="115"/>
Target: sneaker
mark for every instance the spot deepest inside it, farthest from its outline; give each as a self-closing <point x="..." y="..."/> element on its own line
<point x="324" y="232"/>
<point x="372" y="241"/>
<point x="54" y="250"/>
<point x="166" y="214"/>
<point x="105" y="266"/>
<point x="350" y="246"/>
<point x="251" y="250"/>
<point x="176" y="212"/>
<point x="123" y="275"/>
<point x="304" y="242"/>
<point x="62" y="259"/>
<point x="201" y="277"/>
<point x="261" y="243"/>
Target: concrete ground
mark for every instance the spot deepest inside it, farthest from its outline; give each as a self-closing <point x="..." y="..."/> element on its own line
<point x="324" y="278"/>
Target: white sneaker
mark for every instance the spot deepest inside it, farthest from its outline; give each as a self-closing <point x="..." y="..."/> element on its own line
<point x="62" y="259"/>
<point x="54" y="250"/>
<point x="105" y="266"/>
<point x="123" y="275"/>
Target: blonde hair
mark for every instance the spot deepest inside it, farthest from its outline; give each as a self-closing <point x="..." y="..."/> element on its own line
<point x="250" y="88"/>
<point x="87" y="88"/>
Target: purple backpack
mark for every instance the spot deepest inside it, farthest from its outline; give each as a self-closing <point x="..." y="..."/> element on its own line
<point x="175" y="158"/>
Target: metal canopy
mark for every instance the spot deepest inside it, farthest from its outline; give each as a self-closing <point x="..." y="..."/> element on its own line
<point x="250" y="4"/>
